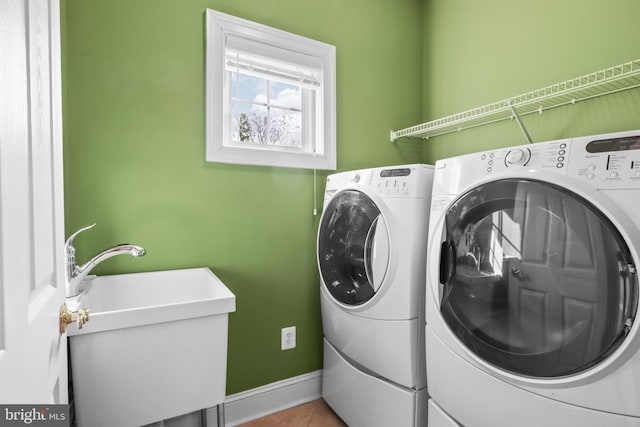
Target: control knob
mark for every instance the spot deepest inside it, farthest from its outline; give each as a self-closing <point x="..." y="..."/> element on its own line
<point x="516" y="157"/>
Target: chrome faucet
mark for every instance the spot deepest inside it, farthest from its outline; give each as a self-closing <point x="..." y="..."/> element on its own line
<point x="75" y="274"/>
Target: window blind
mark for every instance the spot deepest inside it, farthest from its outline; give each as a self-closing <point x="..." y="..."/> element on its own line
<point x="261" y="60"/>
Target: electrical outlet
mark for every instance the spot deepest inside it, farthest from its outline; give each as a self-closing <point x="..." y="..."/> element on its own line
<point x="288" y="338"/>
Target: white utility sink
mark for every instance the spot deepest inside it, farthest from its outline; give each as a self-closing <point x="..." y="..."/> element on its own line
<point x="155" y="347"/>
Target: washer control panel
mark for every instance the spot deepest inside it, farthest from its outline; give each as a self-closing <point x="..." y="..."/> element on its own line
<point x="604" y="161"/>
<point x="400" y="181"/>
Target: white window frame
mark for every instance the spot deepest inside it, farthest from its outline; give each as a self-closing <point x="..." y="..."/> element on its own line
<point x="319" y="137"/>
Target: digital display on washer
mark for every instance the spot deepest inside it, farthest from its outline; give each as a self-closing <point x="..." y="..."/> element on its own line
<point x="616" y="144"/>
<point x="388" y="173"/>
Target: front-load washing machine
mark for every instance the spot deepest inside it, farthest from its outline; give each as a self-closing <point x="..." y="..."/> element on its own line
<point x="372" y="243"/>
<point x="532" y="289"/>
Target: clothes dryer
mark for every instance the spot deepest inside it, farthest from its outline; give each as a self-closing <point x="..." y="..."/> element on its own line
<point x="532" y="290"/>
<point x="372" y="243"/>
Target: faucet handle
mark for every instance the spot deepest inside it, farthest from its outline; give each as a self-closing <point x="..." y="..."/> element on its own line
<point x="68" y="317"/>
<point x="68" y="246"/>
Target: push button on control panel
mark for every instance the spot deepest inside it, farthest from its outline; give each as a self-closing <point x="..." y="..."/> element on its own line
<point x="487" y="161"/>
<point x="635" y="167"/>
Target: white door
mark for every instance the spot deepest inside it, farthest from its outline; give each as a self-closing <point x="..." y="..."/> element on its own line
<point x="33" y="358"/>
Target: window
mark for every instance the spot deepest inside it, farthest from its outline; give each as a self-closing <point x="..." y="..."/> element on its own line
<point x="270" y="96"/>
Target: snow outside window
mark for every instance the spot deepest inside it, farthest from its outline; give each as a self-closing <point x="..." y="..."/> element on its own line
<point x="270" y="96"/>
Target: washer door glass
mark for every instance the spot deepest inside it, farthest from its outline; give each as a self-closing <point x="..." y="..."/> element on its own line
<point x="536" y="280"/>
<point x="353" y="247"/>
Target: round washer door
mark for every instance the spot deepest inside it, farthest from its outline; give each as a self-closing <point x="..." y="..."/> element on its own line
<point x="353" y="248"/>
<point x="535" y="279"/>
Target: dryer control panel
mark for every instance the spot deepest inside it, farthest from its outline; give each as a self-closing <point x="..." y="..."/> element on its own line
<point x="605" y="161"/>
<point x="549" y="156"/>
<point x="608" y="161"/>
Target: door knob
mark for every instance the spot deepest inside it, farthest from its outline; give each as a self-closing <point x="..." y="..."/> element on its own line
<point x="68" y="317"/>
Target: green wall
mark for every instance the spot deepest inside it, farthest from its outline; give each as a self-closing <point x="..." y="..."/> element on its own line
<point x="480" y="52"/>
<point x="133" y="82"/>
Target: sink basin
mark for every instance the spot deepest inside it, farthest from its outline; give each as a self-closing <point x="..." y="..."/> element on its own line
<point x="155" y="346"/>
<point x="127" y="300"/>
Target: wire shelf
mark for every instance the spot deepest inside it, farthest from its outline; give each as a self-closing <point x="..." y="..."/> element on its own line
<point x="604" y="82"/>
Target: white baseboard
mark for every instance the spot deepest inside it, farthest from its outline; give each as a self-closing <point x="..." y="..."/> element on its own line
<point x="265" y="400"/>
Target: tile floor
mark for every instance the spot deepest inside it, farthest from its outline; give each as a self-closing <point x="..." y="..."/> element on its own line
<point x="312" y="414"/>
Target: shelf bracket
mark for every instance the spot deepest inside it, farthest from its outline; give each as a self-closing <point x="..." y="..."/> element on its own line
<point x="522" y="128"/>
